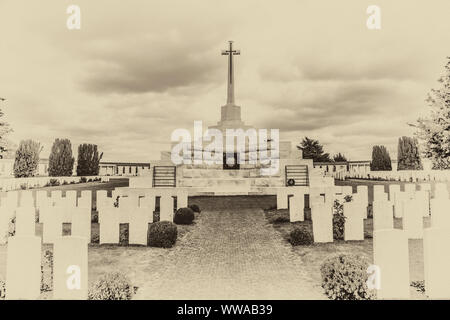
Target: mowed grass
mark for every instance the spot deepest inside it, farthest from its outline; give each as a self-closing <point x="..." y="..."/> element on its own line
<point x="314" y="255"/>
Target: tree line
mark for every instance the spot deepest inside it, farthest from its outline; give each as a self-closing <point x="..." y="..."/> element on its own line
<point x="60" y="161"/>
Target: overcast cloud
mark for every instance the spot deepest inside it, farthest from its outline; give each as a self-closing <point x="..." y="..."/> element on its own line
<point x="137" y="70"/>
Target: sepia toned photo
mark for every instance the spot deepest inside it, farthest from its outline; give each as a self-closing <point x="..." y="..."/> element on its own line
<point x="224" y="155"/>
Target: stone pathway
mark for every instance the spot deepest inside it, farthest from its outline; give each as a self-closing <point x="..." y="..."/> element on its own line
<point x="232" y="253"/>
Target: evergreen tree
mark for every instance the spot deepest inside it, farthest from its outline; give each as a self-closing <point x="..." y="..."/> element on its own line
<point x="27" y="159"/>
<point x="60" y="162"/>
<point x="408" y="156"/>
<point x="339" y="158"/>
<point x="434" y="131"/>
<point x="4" y="130"/>
<point x="312" y="149"/>
<point x="381" y="161"/>
<point x="88" y="160"/>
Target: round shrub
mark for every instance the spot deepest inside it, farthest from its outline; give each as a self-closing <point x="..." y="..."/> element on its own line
<point x="162" y="234"/>
<point x="111" y="286"/>
<point x="184" y="216"/>
<point x="344" y="277"/>
<point x="195" y="208"/>
<point x="299" y="237"/>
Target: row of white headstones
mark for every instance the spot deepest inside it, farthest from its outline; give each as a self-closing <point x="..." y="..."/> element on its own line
<point x="23" y="271"/>
<point x="390" y="245"/>
<point x="8" y="184"/>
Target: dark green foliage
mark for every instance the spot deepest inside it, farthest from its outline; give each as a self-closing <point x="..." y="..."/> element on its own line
<point x="408" y="156"/>
<point x="27" y="159"/>
<point x="312" y="149"/>
<point x="339" y="218"/>
<point x="60" y="161"/>
<point x="344" y="277"/>
<point x="300" y="237"/>
<point x="162" y="234"/>
<point x="111" y="286"/>
<point x="195" y="208"/>
<point x="339" y="158"/>
<point x="433" y="130"/>
<point x="381" y="161"/>
<point x="88" y="160"/>
<point x="184" y="216"/>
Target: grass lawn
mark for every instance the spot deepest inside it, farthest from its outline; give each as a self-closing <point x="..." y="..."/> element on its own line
<point x="314" y="255"/>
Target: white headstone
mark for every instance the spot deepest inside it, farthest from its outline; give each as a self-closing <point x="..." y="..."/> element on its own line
<point x="440" y="213"/>
<point x="440" y="191"/>
<point x="362" y="195"/>
<point x="391" y="256"/>
<point x="412" y="219"/>
<point x="25" y="221"/>
<point x="138" y="226"/>
<point x="70" y="268"/>
<point x="56" y="198"/>
<point x="378" y="193"/>
<point x="296" y="207"/>
<point x="26" y="199"/>
<point x="354" y="213"/>
<point x="436" y="242"/>
<point x="109" y="226"/>
<point x="86" y="199"/>
<point x="393" y="190"/>
<point x="322" y="221"/>
<point x="423" y="201"/>
<point x="81" y="223"/>
<point x="23" y="268"/>
<point x="148" y="204"/>
<point x="410" y="189"/>
<point x="382" y="215"/>
<point x="282" y="198"/>
<point x="166" y="208"/>
<point x="182" y="199"/>
<point x="53" y="221"/>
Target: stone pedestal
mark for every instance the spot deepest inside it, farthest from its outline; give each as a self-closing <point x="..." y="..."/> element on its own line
<point x="166" y="208"/>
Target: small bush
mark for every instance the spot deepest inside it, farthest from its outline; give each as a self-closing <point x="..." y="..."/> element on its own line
<point x="2" y="289"/>
<point x="344" y="277"/>
<point x="83" y="180"/>
<point x="195" y="208"/>
<point x="300" y="237"/>
<point x="23" y="186"/>
<point x="162" y="234"/>
<point x="54" y="182"/>
<point x="184" y="216"/>
<point x="111" y="286"/>
<point x="338" y="220"/>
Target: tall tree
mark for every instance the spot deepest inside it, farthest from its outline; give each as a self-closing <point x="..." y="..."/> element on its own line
<point x="339" y="158"/>
<point x="60" y="161"/>
<point x="4" y="130"/>
<point x="434" y="131"/>
<point x="27" y="158"/>
<point x="381" y="161"/>
<point x="312" y="149"/>
<point x="408" y="156"/>
<point x="88" y="160"/>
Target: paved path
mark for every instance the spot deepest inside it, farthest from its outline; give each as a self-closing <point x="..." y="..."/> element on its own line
<point x="231" y="254"/>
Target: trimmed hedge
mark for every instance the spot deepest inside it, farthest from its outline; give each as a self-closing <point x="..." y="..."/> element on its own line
<point x="111" y="286"/>
<point x="162" y="234"/>
<point x="344" y="277"/>
<point x="300" y="236"/>
<point x="184" y="216"/>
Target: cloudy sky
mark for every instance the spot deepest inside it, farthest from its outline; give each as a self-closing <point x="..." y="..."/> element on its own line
<point x="137" y="70"/>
